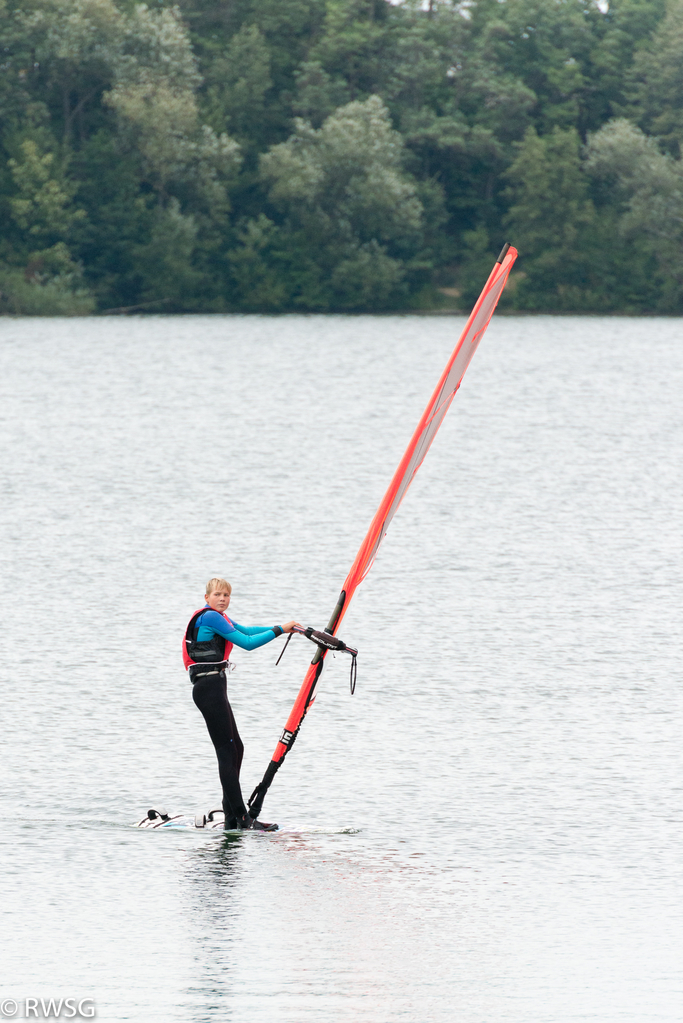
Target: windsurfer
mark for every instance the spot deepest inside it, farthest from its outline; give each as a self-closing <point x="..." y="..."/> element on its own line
<point x="209" y="638"/>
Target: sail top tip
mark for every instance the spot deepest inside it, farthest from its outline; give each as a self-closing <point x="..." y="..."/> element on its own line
<point x="503" y="252"/>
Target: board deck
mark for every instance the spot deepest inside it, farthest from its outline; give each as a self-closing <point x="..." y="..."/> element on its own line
<point x="213" y="821"/>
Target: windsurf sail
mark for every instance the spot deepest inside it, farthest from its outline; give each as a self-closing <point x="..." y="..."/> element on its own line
<point x="426" y="430"/>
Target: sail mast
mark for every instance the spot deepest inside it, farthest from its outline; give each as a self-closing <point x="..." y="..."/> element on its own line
<point x="424" y="434"/>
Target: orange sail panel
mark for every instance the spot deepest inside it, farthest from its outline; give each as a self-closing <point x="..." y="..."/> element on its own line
<point x="431" y="420"/>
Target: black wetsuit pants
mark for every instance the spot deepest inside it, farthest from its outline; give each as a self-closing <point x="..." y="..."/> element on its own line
<point x="210" y="694"/>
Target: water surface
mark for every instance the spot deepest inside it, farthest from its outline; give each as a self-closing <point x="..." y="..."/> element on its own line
<point x="489" y="831"/>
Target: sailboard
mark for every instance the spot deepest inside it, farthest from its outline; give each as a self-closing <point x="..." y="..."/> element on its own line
<point x="157" y="818"/>
<point x="161" y="818"/>
<point x="214" y="823"/>
<point x="424" y="434"/>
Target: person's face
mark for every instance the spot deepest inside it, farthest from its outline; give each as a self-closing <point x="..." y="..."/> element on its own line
<point x="219" y="600"/>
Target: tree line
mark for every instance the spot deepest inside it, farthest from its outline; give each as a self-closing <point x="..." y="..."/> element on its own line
<point x="339" y="155"/>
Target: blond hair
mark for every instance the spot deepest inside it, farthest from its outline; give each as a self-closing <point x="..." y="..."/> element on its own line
<point x="217" y="584"/>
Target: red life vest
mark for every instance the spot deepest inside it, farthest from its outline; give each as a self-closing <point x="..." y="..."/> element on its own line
<point x="211" y="651"/>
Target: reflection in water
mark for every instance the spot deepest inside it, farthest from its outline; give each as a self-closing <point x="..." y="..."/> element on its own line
<point x="322" y="926"/>
<point x="213" y="886"/>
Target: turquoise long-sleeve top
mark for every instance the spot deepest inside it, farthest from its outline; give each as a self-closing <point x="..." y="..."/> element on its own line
<point x="247" y="637"/>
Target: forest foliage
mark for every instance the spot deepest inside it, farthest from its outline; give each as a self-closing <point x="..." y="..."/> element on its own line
<point x="339" y="155"/>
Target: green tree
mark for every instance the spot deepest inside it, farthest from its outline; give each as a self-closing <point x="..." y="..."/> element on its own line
<point x="341" y="188"/>
<point x="657" y="81"/>
<point x="354" y="43"/>
<point x="317" y="93"/>
<point x="174" y="128"/>
<point x="574" y="257"/>
<point x="550" y="216"/>
<point x="348" y="173"/>
<point x="42" y="204"/>
<point x="546" y="45"/>
<point x="261" y="270"/>
<point x="268" y="32"/>
<point x="627" y="27"/>
<point x="39" y="275"/>
<point x="154" y="94"/>
<point x="238" y="82"/>
<point x="75" y="44"/>
<point x="649" y="188"/>
<point x="165" y="262"/>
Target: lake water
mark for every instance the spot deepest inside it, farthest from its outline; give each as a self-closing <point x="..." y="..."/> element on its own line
<point x="491" y="829"/>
